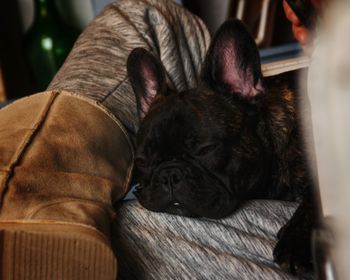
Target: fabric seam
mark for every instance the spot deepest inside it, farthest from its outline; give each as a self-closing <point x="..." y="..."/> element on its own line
<point x="110" y="115"/>
<point x="26" y="142"/>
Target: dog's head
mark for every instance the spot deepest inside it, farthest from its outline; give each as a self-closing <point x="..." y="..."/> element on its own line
<point x="198" y="153"/>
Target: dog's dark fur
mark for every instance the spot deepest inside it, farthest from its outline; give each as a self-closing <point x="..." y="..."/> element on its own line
<point x="236" y="137"/>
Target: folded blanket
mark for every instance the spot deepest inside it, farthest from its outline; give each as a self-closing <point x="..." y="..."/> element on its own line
<point x="162" y="246"/>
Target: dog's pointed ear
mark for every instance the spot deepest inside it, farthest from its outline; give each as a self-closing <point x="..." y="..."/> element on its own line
<point x="147" y="78"/>
<point x="232" y="64"/>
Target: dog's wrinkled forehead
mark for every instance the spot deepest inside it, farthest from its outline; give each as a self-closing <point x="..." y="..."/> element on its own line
<point x="181" y="121"/>
<point x="170" y="118"/>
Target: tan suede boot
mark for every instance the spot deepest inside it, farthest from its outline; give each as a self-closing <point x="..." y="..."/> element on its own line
<point x="63" y="162"/>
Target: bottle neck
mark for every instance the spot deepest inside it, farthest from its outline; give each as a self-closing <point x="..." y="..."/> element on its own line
<point x="46" y="10"/>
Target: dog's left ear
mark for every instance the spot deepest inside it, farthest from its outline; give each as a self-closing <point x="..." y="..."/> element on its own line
<point x="232" y="64"/>
<point x="147" y="78"/>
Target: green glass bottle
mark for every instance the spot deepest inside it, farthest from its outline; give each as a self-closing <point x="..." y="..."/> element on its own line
<point x="48" y="42"/>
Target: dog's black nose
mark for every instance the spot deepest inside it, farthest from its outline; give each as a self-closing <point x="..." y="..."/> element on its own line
<point x="170" y="178"/>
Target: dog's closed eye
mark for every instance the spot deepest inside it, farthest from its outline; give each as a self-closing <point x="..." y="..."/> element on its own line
<point x="206" y="149"/>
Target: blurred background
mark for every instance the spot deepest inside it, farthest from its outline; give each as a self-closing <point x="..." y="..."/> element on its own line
<point x="37" y="35"/>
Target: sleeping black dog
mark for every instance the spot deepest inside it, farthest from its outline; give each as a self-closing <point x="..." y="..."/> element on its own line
<point x="235" y="137"/>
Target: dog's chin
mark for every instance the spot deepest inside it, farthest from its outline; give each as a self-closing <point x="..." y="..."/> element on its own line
<point x="214" y="214"/>
<point x="216" y="211"/>
<point x="180" y="211"/>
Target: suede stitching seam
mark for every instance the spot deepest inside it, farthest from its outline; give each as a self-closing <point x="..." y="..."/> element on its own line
<point x="40" y="222"/>
<point x="109" y="114"/>
<point x="26" y="142"/>
<point x="98" y="204"/>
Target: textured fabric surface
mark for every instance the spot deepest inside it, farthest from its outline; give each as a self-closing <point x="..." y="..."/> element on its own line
<point x="162" y="246"/>
<point x="96" y="67"/>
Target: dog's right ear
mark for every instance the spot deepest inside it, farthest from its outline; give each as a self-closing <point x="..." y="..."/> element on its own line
<point x="147" y="78"/>
<point x="232" y="64"/>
